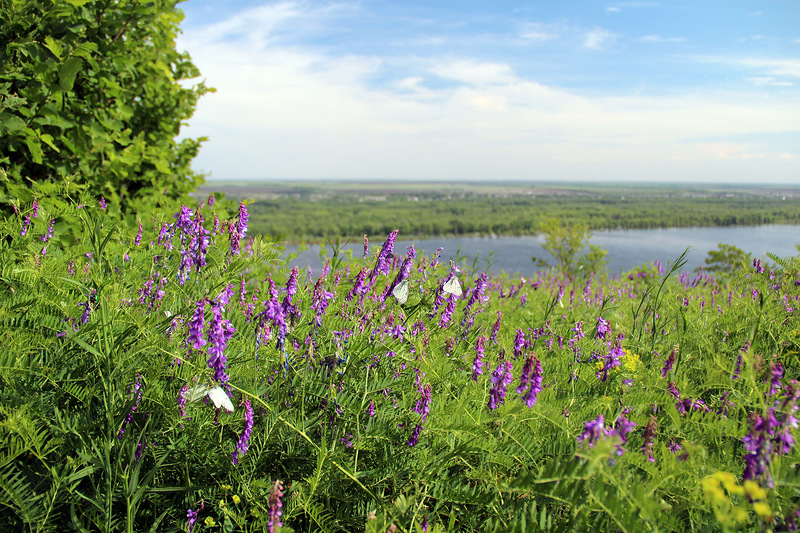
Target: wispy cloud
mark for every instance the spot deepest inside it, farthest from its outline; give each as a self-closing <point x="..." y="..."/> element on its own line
<point x="598" y="37"/>
<point x="660" y="39"/>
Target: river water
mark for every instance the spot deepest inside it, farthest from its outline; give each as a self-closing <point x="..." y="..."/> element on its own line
<point x="626" y="249"/>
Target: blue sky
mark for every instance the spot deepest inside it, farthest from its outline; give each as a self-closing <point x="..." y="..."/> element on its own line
<point x="681" y="91"/>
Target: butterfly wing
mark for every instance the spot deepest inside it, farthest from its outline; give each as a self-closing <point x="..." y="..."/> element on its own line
<point x="195" y="393"/>
<point x="453" y="286"/>
<point x="220" y="399"/>
<point x="401" y="292"/>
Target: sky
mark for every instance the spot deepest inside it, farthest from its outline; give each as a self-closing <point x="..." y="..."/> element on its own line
<point x="580" y="90"/>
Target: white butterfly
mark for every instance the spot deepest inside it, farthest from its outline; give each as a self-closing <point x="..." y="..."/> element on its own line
<point x="217" y="395"/>
<point x="453" y="286"/>
<point x="401" y="292"/>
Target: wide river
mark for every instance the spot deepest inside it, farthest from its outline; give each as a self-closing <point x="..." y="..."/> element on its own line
<point x="626" y="248"/>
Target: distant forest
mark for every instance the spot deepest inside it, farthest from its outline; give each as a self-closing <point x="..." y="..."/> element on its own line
<point x="313" y="214"/>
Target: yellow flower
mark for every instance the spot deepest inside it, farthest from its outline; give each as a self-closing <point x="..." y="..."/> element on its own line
<point x="713" y="491"/>
<point x="210" y="521"/>
<point x="630" y="361"/>
<point x="762" y="510"/>
<point x="729" y="482"/>
<point x="236" y="499"/>
<point x="754" y="491"/>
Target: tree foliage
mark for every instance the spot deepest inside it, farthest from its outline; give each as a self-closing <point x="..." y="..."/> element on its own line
<point x="570" y="247"/>
<point x="726" y="259"/>
<point x="93" y="88"/>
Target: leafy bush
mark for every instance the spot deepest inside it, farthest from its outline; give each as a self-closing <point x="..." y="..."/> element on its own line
<point x="661" y="401"/>
<point x="93" y="88"/>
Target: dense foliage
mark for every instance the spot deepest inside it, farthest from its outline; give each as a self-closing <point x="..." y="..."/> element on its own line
<point x="294" y="218"/>
<point x="384" y="393"/>
<point x="94" y="89"/>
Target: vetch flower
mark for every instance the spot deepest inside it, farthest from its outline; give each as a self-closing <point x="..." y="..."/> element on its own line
<point x="195" y="338"/>
<point x="501" y="379"/>
<point x="530" y="381"/>
<point x="219" y="333"/>
<point x="649" y="433"/>
<point x="275" y="505"/>
<point x="519" y="343"/>
<point x="244" y="438"/>
<point x="49" y="233"/>
<point x="593" y="431"/>
<point x="669" y="362"/>
<point x="103" y="203"/>
<point x="25" y="223"/>
<point x="602" y="328"/>
<point x="191" y="517"/>
<point x="136" y="393"/>
<point x="477" y="363"/>
<point x="423" y="406"/>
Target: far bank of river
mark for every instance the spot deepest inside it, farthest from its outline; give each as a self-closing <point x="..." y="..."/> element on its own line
<point x="626" y="248"/>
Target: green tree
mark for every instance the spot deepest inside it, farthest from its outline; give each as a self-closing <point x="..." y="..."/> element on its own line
<point x="93" y="88"/>
<point x="569" y="246"/>
<point x="726" y="259"/>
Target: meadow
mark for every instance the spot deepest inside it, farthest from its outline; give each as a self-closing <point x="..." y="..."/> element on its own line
<point x="388" y="392"/>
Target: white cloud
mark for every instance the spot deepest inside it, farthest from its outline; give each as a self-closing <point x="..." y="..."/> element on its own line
<point x="769" y="80"/>
<point x="612" y="9"/>
<point x="297" y="111"/>
<point x="659" y="39"/>
<point x="598" y="37"/>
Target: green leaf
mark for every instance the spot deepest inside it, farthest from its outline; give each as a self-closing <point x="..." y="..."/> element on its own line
<point x="35" y="148"/>
<point x="10" y="123"/>
<point x="48" y="139"/>
<point x="54" y="46"/>
<point x="68" y="71"/>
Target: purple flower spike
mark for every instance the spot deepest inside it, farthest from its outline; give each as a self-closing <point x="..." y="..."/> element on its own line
<point x="423" y="406"/>
<point x="241" y="221"/>
<point x="594" y="430"/>
<point x="602" y="328"/>
<point x="649" y="434"/>
<point x="191" y="517"/>
<point x="244" y="438"/>
<point x="477" y="363"/>
<point x="501" y="379"/>
<point x="275" y="505"/>
<point x="668" y="364"/>
<point x="103" y="203"/>
<point x="220" y="332"/>
<point x="530" y="381"/>
<point x="195" y="337"/>
<point x="25" y="223"/>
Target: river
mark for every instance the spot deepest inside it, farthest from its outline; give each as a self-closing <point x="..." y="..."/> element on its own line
<point x="626" y="248"/>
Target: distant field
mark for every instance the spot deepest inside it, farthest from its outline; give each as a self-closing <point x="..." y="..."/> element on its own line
<point x="292" y="211"/>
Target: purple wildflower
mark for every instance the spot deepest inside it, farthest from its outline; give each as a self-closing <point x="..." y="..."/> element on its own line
<point x="241" y="221"/>
<point x="530" y="379"/>
<point x="195" y="337"/>
<point x="423" y="406"/>
<point x="138" y="240"/>
<point x="244" y="438"/>
<point x="623" y="426"/>
<point x="612" y="360"/>
<point x="366" y="246"/>
<point x="758" y="266"/>
<point x="602" y="328"/>
<point x="415" y="436"/>
<point x="49" y="233"/>
<point x="191" y="517"/>
<point x="219" y="333"/>
<point x="211" y="200"/>
<point x="477" y="363"/>
<point x="670" y="361"/>
<point x="501" y="379"/>
<point x="447" y="314"/>
<point x="136" y="392"/>
<point x="594" y="430"/>
<point x="25" y="223"/>
<point x="320" y="300"/>
<point x="275" y="505"/>
<point x="519" y="343"/>
<point x="383" y="264"/>
<point x="477" y="292"/>
<point x="371" y="409"/>
<point x="103" y="203"/>
<point x="35" y="207"/>
<point x="649" y="433"/>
